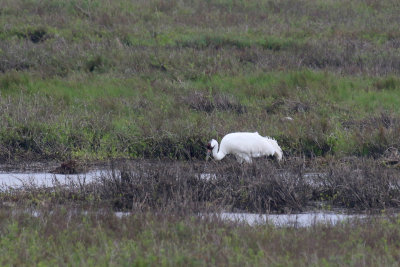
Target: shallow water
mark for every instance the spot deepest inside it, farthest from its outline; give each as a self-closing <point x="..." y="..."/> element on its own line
<point x="13" y="179"/>
<point x="295" y="220"/>
<point x="207" y="176"/>
<point x="46" y="179"/>
<point x="279" y="220"/>
<point x="307" y="219"/>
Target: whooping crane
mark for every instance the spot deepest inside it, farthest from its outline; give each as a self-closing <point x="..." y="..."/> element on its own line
<point x="244" y="146"/>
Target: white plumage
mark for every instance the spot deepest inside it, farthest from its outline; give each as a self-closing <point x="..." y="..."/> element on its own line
<point x="244" y="146"/>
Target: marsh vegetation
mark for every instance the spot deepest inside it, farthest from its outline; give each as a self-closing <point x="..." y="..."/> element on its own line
<point x="161" y="78"/>
<point x="144" y="85"/>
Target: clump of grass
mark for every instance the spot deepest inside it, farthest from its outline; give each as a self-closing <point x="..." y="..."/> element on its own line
<point x="95" y="63"/>
<point x="11" y="80"/>
<point x="277" y="44"/>
<point x="388" y="83"/>
<point x="180" y="186"/>
<point x="37" y="35"/>
<point x="200" y="101"/>
<point x="358" y="186"/>
<point x="287" y="106"/>
<point x="216" y="42"/>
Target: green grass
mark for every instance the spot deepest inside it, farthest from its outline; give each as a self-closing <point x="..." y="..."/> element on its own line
<point x="74" y="238"/>
<point x="96" y="18"/>
<point x="99" y="79"/>
<point x="101" y="115"/>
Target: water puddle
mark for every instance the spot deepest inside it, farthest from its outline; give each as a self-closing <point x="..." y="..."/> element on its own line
<point x="207" y="176"/>
<point x="313" y="178"/>
<point x="46" y="179"/>
<point x="280" y="220"/>
<point x="15" y="179"/>
<point x="293" y="220"/>
<point x="302" y="220"/>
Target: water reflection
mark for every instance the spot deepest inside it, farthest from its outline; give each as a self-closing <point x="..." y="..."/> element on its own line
<point x="14" y="180"/>
<point x="294" y="220"/>
<point x="47" y="179"/>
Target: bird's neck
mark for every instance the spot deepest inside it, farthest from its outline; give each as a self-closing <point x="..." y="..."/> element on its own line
<point x="218" y="155"/>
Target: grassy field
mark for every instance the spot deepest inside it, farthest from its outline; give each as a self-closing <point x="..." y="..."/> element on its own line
<point x="161" y="78"/>
<point x="109" y="80"/>
<point x="76" y="224"/>
<point x="67" y="236"/>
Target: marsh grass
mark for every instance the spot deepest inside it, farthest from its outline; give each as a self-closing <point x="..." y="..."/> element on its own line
<point x="72" y="235"/>
<point x="96" y="80"/>
<point x="106" y="117"/>
<point x="261" y="187"/>
<point x="157" y="79"/>
<point x="214" y="38"/>
<point x="198" y="187"/>
<point x="76" y="223"/>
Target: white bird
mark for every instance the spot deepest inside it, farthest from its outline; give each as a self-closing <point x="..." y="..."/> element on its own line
<point x="244" y="146"/>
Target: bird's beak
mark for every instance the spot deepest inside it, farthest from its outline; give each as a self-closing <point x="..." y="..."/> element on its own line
<point x="208" y="154"/>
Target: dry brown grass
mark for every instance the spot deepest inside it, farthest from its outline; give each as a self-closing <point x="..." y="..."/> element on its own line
<point x="264" y="186"/>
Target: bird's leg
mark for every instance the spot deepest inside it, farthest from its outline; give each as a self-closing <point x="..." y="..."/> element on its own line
<point x="248" y="159"/>
<point x="239" y="159"/>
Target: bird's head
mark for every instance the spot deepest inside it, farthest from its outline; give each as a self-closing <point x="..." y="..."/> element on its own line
<point x="212" y="144"/>
<point x="210" y="147"/>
